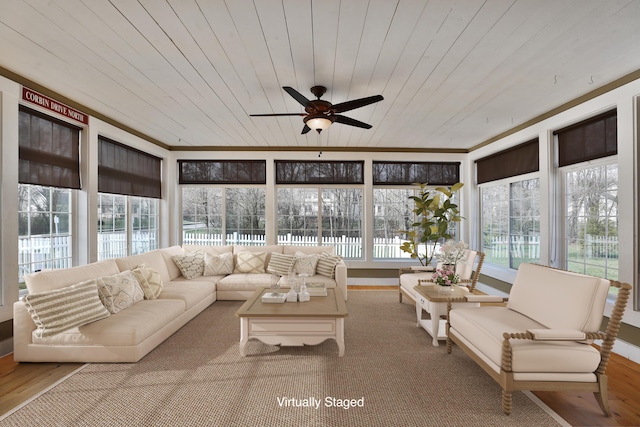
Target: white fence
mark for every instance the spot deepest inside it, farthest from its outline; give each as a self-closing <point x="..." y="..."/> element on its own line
<point x="528" y="247"/>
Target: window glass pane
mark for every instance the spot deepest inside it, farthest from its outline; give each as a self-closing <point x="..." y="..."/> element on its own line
<point x="144" y="224"/>
<point x="392" y="212"/>
<point x="511" y="223"/>
<point x="342" y="221"/>
<point x="202" y="216"/>
<point x="524" y="227"/>
<point x="44" y="228"/>
<point x="244" y="216"/>
<point x="495" y="224"/>
<point x="112" y="226"/>
<point x="298" y="216"/>
<point x="591" y="222"/>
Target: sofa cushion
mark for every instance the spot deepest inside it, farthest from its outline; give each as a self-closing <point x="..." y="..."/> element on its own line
<point x="244" y="282"/>
<point x="189" y="292"/>
<point x="58" y="310"/>
<point x="119" y="291"/>
<point x="149" y="280"/>
<point x="543" y="293"/>
<point x="218" y="264"/>
<point x="327" y="264"/>
<point x="152" y="259"/>
<point x="280" y="264"/>
<point x="56" y="279"/>
<point x="128" y="328"/>
<point x="250" y="262"/>
<point x="191" y="265"/>
<point x="483" y="328"/>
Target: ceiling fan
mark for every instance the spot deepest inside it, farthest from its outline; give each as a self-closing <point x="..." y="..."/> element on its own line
<point x="321" y="114"/>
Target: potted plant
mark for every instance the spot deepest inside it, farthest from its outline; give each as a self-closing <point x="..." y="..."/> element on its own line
<point x="435" y="212"/>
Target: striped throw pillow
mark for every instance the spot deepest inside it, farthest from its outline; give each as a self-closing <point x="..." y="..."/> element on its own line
<point x="280" y="264"/>
<point x="327" y="265"/>
<point x="61" y="309"/>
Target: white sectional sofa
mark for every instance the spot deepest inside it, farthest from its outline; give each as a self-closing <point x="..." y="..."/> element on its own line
<point x="148" y="314"/>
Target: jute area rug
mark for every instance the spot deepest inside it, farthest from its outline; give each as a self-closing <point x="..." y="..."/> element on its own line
<point x="390" y="375"/>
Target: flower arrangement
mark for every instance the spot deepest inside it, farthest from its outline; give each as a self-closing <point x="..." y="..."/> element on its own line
<point x="445" y="276"/>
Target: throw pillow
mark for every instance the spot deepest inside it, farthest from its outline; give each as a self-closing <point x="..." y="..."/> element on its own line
<point x="305" y="264"/>
<point x="280" y="264"/>
<point x="119" y="291"/>
<point x="215" y="265"/>
<point x="250" y="262"/>
<point x="149" y="280"/>
<point x="327" y="265"/>
<point x="191" y="265"/>
<point x="61" y="309"/>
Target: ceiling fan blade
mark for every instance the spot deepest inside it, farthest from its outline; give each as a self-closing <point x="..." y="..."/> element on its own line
<point x="352" y="122"/>
<point x="356" y="103"/>
<point x="296" y="95"/>
<point x="277" y="114"/>
<point x="305" y="129"/>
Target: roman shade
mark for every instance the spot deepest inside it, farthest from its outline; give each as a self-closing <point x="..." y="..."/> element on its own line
<point x="407" y="173"/>
<point x="514" y="161"/>
<point x="222" y="171"/>
<point x="125" y="170"/>
<point x="49" y="151"/>
<point x="315" y="172"/>
<point x="590" y="139"/>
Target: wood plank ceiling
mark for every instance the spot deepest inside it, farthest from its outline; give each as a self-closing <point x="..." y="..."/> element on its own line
<point x="189" y="72"/>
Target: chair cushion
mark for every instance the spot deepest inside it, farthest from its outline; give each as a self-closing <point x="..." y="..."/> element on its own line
<point x="483" y="328"/>
<point x="559" y="299"/>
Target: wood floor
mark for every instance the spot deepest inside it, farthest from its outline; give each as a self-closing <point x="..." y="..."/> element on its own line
<point x="20" y="381"/>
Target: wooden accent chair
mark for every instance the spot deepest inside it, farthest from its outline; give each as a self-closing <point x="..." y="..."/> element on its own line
<point x="410" y="277"/>
<point x="541" y="339"/>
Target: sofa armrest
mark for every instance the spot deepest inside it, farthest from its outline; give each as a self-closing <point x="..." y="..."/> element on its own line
<point x="485" y="298"/>
<point x="341" y="278"/>
<point x="23" y="328"/>
<point x="557" y="334"/>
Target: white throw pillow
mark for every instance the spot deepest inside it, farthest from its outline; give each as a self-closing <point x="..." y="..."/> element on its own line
<point x="57" y="310"/>
<point x="250" y="262"/>
<point x="150" y="281"/>
<point x="305" y="264"/>
<point x="215" y="265"/>
<point x="119" y="291"/>
<point x="191" y="265"/>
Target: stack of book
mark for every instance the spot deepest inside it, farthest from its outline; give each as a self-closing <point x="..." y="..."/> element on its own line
<point x="270" y="297"/>
<point x="317" y="289"/>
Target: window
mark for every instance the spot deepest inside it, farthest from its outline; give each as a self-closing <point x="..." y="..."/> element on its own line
<point x="589" y="171"/>
<point x="591" y="222"/>
<point x="511" y="223"/>
<point x="510" y="205"/>
<point x="114" y="230"/>
<point x="44" y="223"/>
<point x="129" y="185"/>
<point x="321" y="216"/>
<point x="392" y="208"/>
<point x="223" y="216"/>
<point x="48" y="172"/>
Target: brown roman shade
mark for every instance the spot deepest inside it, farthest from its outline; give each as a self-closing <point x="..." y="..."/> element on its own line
<point x="125" y="170"/>
<point x="514" y="161"/>
<point x="590" y="139"/>
<point x="222" y="171"/>
<point x="49" y="151"/>
<point x="407" y="173"/>
<point x="314" y="172"/>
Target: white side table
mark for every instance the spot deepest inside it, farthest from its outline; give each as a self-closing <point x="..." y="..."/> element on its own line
<point x="432" y="300"/>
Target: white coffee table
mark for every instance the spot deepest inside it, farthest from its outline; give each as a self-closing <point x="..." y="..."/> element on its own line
<point x="293" y="323"/>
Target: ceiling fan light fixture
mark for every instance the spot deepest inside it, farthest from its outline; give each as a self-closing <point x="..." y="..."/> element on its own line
<point x="318" y="122"/>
